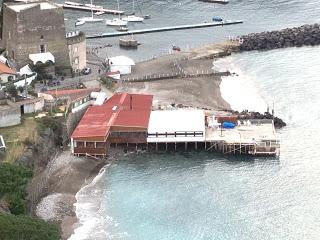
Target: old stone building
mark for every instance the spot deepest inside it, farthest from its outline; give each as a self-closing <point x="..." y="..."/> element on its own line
<point x="77" y="50"/>
<point x="34" y="27"/>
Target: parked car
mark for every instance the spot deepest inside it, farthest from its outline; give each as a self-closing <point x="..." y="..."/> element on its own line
<point x="54" y="83"/>
<point x="43" y="89"/>
<point x="86" y="71"/>
<point x="176" y="48"/>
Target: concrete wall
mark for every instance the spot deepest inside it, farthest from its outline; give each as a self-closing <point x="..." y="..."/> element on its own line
<point x="9" y="116"/>
<point x="24" y="32"/>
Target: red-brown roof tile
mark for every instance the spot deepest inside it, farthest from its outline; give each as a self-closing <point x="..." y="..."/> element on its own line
<point x="5" y="69"/>
<point x="122" y="109"/>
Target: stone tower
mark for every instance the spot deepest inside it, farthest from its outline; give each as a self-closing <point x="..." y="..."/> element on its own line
<point x="34" y="27"/>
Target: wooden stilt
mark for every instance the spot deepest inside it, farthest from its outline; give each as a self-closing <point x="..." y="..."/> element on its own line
<point x="156" y="146"/>
<point x="185" y="146"/>
<point x="196" y="146"/>
<point x="175" y="146"/>
<point x="166" y="146"/>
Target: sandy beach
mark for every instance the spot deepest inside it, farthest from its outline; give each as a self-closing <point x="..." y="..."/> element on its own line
<point x="57" y="186"/>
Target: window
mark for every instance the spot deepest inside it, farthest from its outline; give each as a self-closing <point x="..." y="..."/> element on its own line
<point x="42" y="48"/>
<point x="90" y="144"/>
<point x="76" y="60"/>
<point x="75" y="49"/>
<point x="41" y="37"/>
<point x="100" y="145"/>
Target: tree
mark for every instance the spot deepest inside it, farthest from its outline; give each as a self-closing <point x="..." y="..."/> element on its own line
<point x="12" y="90"/>
<point x="23" y="228"/>
<point x="20" y="89"/>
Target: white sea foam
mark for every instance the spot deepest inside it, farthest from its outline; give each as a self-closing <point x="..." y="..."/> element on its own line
<point x="90" y="211"/>
<point x="239" y="89"/>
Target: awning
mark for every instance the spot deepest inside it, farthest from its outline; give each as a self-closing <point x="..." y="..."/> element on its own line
<point x="41" y="57"/>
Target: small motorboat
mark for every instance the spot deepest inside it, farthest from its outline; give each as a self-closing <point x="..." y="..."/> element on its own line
<point x="99" y="13"/>
<point x="133" y="18"/>
<point x="147" y="16"/>
<point x="116" y="22"/>
<point x="122" y="29"/>
<point x="81" y="21"/>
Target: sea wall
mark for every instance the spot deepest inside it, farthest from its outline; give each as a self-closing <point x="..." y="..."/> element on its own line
<point x="306" y="35"/>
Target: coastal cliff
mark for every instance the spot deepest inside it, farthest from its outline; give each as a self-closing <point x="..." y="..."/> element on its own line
<point x="306" y="35"/>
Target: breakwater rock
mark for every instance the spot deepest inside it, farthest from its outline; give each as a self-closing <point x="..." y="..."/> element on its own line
<point x="246" y="115"/>
<point x="306" y="35"/>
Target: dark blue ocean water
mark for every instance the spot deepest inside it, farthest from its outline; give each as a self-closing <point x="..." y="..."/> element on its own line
<point x="201" y="195"/>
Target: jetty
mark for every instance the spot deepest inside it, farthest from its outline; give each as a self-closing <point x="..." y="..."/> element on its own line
<point x="165" y="29"/>
<point x="81" y="7"/>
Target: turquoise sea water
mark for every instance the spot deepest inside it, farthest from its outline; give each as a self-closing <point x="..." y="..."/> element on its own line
<point x="199" y="195"/>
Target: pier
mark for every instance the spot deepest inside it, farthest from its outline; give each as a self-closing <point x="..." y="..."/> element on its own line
<point x="88" y="9"/>
<point x="165" y="29"/>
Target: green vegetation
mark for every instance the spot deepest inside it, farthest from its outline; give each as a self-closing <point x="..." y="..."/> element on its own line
<point x="26" y="228"/>
<point x="12" y="90"/>
<point x="108" y="82"/>
<point x="18" y="137"/>
<point x="13" y="181"/>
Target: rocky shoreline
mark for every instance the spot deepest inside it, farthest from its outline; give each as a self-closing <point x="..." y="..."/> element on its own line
<point x="306" y="35"/>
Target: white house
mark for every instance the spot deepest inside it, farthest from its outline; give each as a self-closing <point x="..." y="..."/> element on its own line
<point x="6" y="73"/>
<point x="120" y="63"/>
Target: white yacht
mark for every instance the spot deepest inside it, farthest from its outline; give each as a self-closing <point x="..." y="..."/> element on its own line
<point x="81" y="21"/>
<point x="133" y="18"/>
<point x="116" y="22"/>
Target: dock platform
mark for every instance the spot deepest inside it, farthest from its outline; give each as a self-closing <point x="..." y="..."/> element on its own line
<point x="165" y="29"/>
<point x="88" y="9"/>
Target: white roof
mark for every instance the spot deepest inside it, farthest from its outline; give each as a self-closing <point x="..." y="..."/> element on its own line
<point x="171" y="121"/>
<point x="121" y="61"/>
<point x="25" y="70"/>
<point x="41" y="57"/>
<point x="3" y="59"/>
<point x="24" y="6"/>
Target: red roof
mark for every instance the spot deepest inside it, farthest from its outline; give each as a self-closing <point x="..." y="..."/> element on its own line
<point x="72" y="93"/>
<point x="5" y="69"/>
<point x="122" y="109"/>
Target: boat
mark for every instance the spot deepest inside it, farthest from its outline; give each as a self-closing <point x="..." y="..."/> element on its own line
<point x="126" y="42"/>
<point x="74" y="4"/>
<point x="99" y="13"/>
<point x="122" y="29"/>
<point x="116" y="22"/>
<point x="93" y="6"/>
<point x="133" y="18"/>
<point x="217" y="19"/>
<point x="216" y="1"/>
<point x="81" y="21"/>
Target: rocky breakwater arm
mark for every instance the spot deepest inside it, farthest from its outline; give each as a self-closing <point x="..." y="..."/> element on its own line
<point x="306" y="35"/>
